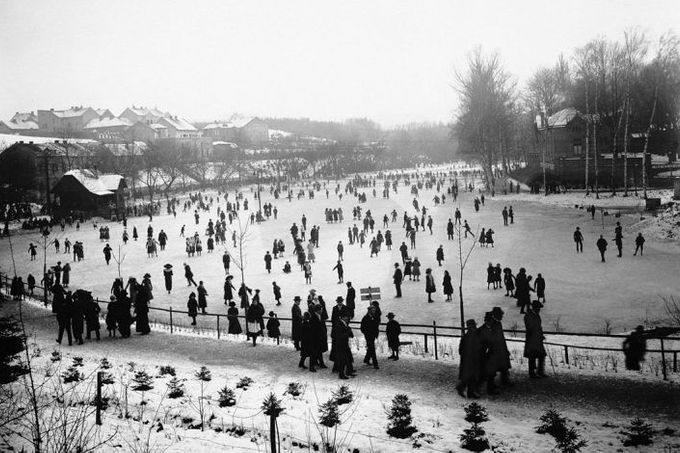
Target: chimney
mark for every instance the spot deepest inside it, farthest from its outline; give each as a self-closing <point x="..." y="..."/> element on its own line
<point x="30" y="143"/>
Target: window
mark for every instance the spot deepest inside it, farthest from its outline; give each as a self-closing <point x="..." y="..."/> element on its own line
<point x="578" y="149"/>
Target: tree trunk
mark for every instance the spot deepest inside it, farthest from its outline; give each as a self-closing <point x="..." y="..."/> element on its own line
<point x="614" y="154"/>
<point x="644" y="151"/>
<point x="625" y="147"/>
<point x="545" y="151"/>
<point x="597" y="169"/>
<point x="587" y="139"/>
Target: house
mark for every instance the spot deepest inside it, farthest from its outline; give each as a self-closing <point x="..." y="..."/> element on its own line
<point x="565" y="153"/>
<point x="108" y="128"/>
<point x="90" y="193"/>
<point x="105" y="113"/>
<point x="222" y="131"/>
<point x="28" y="170"/>
<point x="251" y="130"/>
<point x="147" y="132"/>
<point x="179" y="128"/>
<point x="142" y="114"/>
<point x="69" y="121"/>
<point x="18" y="126"/>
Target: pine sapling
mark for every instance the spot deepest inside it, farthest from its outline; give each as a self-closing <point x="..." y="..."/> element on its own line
<point x="475" y="413"/>
<point x="553" y="423"/>
<point x="72" y="375"/>
<point x="570" y="441"/>
<point x="78" y="361"/>
<point x="166" y="369"/>
<point x="329" y="415"/>
<point x="203" y="375"/>
<point x="637" y="433"/>
<point x="244" y="383"/>
<point x="474" y="438"/>
<point x="104" y="364"/>
<point x="343" y="395"/>
<point x="142" y="382"/>
<point x="175" y="388"/>
<point x="226" y="397"/>
<point x="294" y="389"/>
<point x="56" y="356"/>
<point x="399" y="416"/>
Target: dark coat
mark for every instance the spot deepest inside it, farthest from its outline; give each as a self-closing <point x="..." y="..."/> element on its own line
<point x="393" y="330"/>
<point x="533" y="345"/>
<point x="342" y="352"/>
<point x="448" y="287"/>
<point x="349" y="300"/>
<point x="496" y="354"/>
<point x="296" y="314"/>
<point x="92" y="315"/>
<point x="429" y="284"/>
<point x="471" y="353"/>
<point x="234" y="324"/>
<point x="228" y="290"/>
<point x="370" y="326"/>
<point x="397" y="277"/>
<point x="192" y="307"/>
<point x="273" y="328"/>
<point x="167" y="274"/>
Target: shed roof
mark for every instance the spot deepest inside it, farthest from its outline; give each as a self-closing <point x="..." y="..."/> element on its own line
<point x="103" y="184"/>
<point x="101" y="123"/>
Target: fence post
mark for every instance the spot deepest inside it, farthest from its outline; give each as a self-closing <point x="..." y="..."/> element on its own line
<point x="218" y="327"/>
<point x="171" y="319"/>
<point x="566" y="354"/>
<point x="425" y="336"/>
<point x="98" y="417"/>
<point x="675" y="361"/>
<point x="434" y="333"/>
<point x="663" y="360"/>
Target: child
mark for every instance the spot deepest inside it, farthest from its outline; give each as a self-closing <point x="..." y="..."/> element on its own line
<point x="192" y="306"/>
<point x="273" y="324"/>
<point x="393" y="329"/>
<point x="111" y="316"/>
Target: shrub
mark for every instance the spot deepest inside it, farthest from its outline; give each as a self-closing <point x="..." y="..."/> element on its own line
<point x="399" y="417"/>
<point x="637" y="433"/>
<point x="474" y="438"/>
<point x="107" y="378"/>
<point x="244" y="383"/>
<point x="104" y="364"/>
<point x="226" y="397"/>
<point x="343" y="395"/>
<point x="203" y="374"/>
<point x="329" y="415"/>
<point x="570" y="441"/>
<point x="72" y="375"/>
<point x="78" y="361"/>
<point x="56" y="356"/>
<point x="553" y="423"/>
<point x="475" y="413"/>
<point x="175" y="388"/>
<point x="294" y="389"/>
<point x="142" y="381"/>
<point x="166" y="370"/>
<point x="272" y="405"/>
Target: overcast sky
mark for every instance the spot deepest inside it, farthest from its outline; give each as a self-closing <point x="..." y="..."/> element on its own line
<point x="391" y="61"/>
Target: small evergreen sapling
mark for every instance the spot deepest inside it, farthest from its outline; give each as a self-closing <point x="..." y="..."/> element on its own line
<point x="475" y="413"/>
<point x="203" y="375"/>
<point x="175" y="388"/>
<point x="56" y="356"/>
<point x="637" y="433"/>
<point x="399" y="416"/>
<point x="72" y="375"/>
<point x="570" y="441"/>
<point x="474" y="438"/>
<point x="104" y="364"/>
<point x="271" y="405"/>
<point x="78" y="361"/>
<point x="294" y="389"/>
<point x="142" y="382"/>
<point x="553" y="423"/>
<point x="166" y="369"/>
<point x="343" y="395"/>
<point x="226" y="397"/>
<point x="244" y="383"/>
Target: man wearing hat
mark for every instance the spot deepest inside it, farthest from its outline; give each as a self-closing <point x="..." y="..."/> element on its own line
<point x="496" y="354"/>
<point x="370" y="328"/>
<point x="341" y="353"/>
<point x="296" y="315"/>
<point x="349" y="299"/>
<point x="397" y="278"/>
<point x="167" y="275"/>
<point x="470" y="350"/>
<point x="338" y="310"/>
<point x="533" y="345"/>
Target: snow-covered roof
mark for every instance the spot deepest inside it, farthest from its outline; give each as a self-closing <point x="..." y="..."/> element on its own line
<point x="136" y="148"/>
<point x="221" y="143"/>
<point x="104" y="184"/>
<point x="24" y="116"/>
<point x="70" y="113"/>
<point x="157" y="126"/>
<point x="216" y="125"/>
<point x="7" y="140"/>
<point x="100" y="123"/>
<point x="241" y="122"/>
<point x="563" y="117"/>
<point x="279" y="133"/>
<point x="180" y="124"/>
<point x="20" y="124"/>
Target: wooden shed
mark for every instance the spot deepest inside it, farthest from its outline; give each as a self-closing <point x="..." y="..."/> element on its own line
<point x="90" y="193"/>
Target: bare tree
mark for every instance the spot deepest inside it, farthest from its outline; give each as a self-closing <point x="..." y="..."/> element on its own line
<point x="583" y="60"/>
<point x="463" y="257"/>
<point x="543" y="96"/>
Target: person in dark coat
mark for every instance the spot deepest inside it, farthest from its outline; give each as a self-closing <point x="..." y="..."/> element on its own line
<point x="392" y="331"/>
<point x="296" y="315"/>
<point x="276" y="289"/>
<point x="192" y="308"/>
<point x="429" y="284"/>
<point x="496" y="354"/>
<point x="254" y="321"/>
<point x="470" y="350"/>
<point x="304" y="335"/>
<point x="92" y="317"/>
<point x="232" y="316"/>
<point x="370" y="328"/>
<point x="440" y="255"/>
<point x="639" y="244"/>
<point x="64" y="318"/>
<point x="534" y="350"/>
<point x="509" y="281"/>
<point x="189" y="275"/>
<point x="539" y="287"/>
<point x="57" y="297"/>
<point x="142" y="310"/>
<point x="318" y="334"/>
<point x="107" y="253"/>
<point x="167" y="275"/>
<point x="202" y="297"/>
<point x="244" y="294"/>
<point x="342" y="352"/>
<point x="523" y="289"/>
<point x="448" y="287"/>
<point x="78" y="316"/>
<point x="602" y="246"/>
<point x="111" y="316"/>
<point x="268" y="262"/>
<point x="634" y="349"/>
<point x="273" y="327"/>
<point x="228" y="289"/>
<point x="350" y="299"/>
<point x="578" y="239"/>
<point x="66" y="275"/>
<point x="397" y="278"/>
<point x="341" y="272"/>
<point x="124" y="318"/>
<point x="30" y="281"/>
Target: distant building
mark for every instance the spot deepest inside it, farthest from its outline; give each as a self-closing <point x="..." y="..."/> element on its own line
<point x="69" y="121"/>
<point x="179" y="128"/>
<point x="108" y="128"/>
<point x="21" y="123"/>
<point x="85" y="191"/>
<point x="105" y="113"/>
<point x="241" y="130"/>
<point x="143" y="115"/>
<point x="222" y="131"/>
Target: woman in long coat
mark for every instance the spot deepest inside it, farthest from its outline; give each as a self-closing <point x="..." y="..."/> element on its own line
<point x="509" y="281"/>
<point x="415" y="268"/>
<point x="232" y="316"/>
<point x="167" y="275"/>
<point x="202" y="297"/>
<point x="78" y="317"/>
<point x="448" y="287"/>
<point x="533" y="345"/>
<point x="142" y="310"/>
<point x="254" y="321"/>
<point x="470" y="350"/>
<point x="490" y="276"/>
<point x="228" y="290"/>
<point x="192" y="308"/>
<point x="429" y="284"/>
<point x="92" y="317"/>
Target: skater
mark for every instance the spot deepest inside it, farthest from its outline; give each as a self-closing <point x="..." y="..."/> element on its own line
<point x="341" y="272"/>
<point x="578" y="239"/>
<point x="273" y="327"/>
<point x="639" y="244"/>
<point x="447" y="286"/>
<point x="232" y="316"/>
<point x="342" y="352"/>
<point x="533" y="345"/>
<point x="226" y="262"/>
<point x="296" y="330"/>
<point x="64" y="319"/>
<point x="602" y="246"/>
<point x="397" y="278"/>
<point x="254" y="321"/>
<point x="192" y="308"/>
<point x="228" y="289"/>
<point x="495" y="350"/>
<point x="429" y="284"/>
<point x="189" y="275"/>
<point x="618" y="238"/>
<point x="504" y="213"/>
<point x="107" y="253"/>
<point x="112" y="310"/>
<point x="539" y="287"/>
<point x="202" y="297"/>
<point x="92" y="318"/>
<point x="370" y="328"/>
<point x="467" y="229"/>
<point x="634" y="349"/>
<point x="277" y="293"/>
<point x="440" y="255"/>
<point x="393" y="330"/>
<point x="471" y="353"/>
<point x="268" y="262"/>
<point x="167" y="275"/>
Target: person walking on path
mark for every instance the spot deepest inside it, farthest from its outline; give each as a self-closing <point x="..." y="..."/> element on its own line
<point x="471" y="353"/>
<point x="189" y="275"/>
<point x="167" y="275"/>
<point x="66" y="275"/>
<point x="618" y="238"/>
<point x="268" y="262"/>
<point x="92" y="318"/>
<point x="276" y="289"/>
<point x="393" y="330"/>
<point x="429" y="284"/>
<point x="495" y="349"/>
<point x="539" y="287"/>
<point x="296" y="316"/>
<point x="534" y="350"/>
<point x="254" y="321"/>
<point x="342" y="352"/>
<point x="350" y="299"/>
<point x="64" y="319"/>
<point x="578" y="239"/>
<point x="107" y="253"/>
<point x="370" y="328"/>
<point x="192" y="308"/>
<point x="440" y="255"/>
<point x="602" y="246"/>
<point x="232" y="316"/>
<point x="202" y="297"/>
<point x="228" y="289"/>
<point x="634" y="349"/>
<point x="639" y="245"/>
<point x="504" y="213"/>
